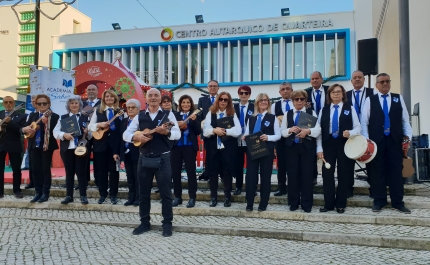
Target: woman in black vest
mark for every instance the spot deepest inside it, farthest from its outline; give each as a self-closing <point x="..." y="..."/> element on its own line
<point x="42" y="146"/>
<point x="266" y="123"/>
<point x="301" y="154"/>
<point x="74" y="164"/>
<point x="338" y="122"/>
<point x="185" y="150"/>
<point x="221" y="146"/>
<point x="107" y="149"/>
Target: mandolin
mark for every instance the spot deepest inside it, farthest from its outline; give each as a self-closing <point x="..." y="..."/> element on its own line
<point x="100" y="131"/>
<point x="3" y="124"/>
<point x="35" y="124"/>
<point x="148" y="133"/>
<point x="408" y="167"/>
<point x="184" y="125"/>
<point x="81" y="149"/>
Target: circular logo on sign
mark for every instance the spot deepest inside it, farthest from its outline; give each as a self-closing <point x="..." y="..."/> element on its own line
<point x="166" y="34"/>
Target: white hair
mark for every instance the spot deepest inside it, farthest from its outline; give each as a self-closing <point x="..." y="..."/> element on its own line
<point x="153" y="89"/>
<point x="74" y="98"/>
<point x="133" y="101"/>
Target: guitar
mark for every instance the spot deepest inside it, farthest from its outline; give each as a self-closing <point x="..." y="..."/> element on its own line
<point x="3" y="124"/>
<point x="88" y="110"/>
<point x="100" y="131"/>
<point x="35" y="124"/>
<point x="408" y="168"/>
<point x="184" y="125"/>
<point x="81" y="149"/>
<point x="148" y="133"/>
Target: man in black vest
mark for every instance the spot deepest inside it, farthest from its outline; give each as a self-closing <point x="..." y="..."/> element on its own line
<point x="154" y="159"/>
<point x="356" y="97"/>
<point x="385" y="120"/>
<point x="278" y="109"/>
<point x="243" y="110"/>
<point x="10" y="143"/>
<point x="205" y="102"/>
<point x="316" y="101"/>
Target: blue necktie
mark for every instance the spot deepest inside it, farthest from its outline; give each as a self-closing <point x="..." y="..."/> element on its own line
<point x="7" y="113"/>
<point x="212" y="100"/>
<point x="186" y="132"/>
<point x="287" y="106"/>
<point x="242" y="118"/>
<point x="257" y="126"/>
<point x="110" y="116"/>
<point x="335" y="122"/>
<point x="296" y="121"/>
<point x="91" y="103"/>
<point x="219" y="138"/>
<point x="357" y="102"/>
<point x="387" y="117"/>
<point x="38" y="138"/>
<point x="318" y="102"/>
<point x="128" y="124"/>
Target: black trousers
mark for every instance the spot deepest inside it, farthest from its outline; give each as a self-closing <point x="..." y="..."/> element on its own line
<point x="41" y="165"/>
<point x="75" y="165"/>
<point x="282" y="167"/>
<point x="264" y="166"/>
<point x="241" y="150"/>
<point x="334" y="152"/>
<point x="220" y="166"/>
<point x="132" y="181"/>
<point x="300" y="169"/>
<point x="15" y="162"/>
<point x="163" y="177"/>
<point x="188" y="155"/>
<point x="386" y="170"/>
<point x="106" y="172"/>
<point x="30" y="169"/>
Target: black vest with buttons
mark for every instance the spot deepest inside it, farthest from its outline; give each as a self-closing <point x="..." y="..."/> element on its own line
<point x="309" y="143"/>
<point x="160" y="143"/>
<point x="377" y="117"/>
<point x="278" y="108"/>
<point x="83" y="123"/>
<point x="269" y="120"/>
<point x="345" y="121"/>
<point x="111" y="138"/>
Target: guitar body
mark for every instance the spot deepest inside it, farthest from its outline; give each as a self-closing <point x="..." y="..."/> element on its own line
<point x="408" y="168"/>
<point x="33" y="126"/>
<point x="81" y="150"/>
<point x="145" y="132"/>
<point x="99" y="133"/>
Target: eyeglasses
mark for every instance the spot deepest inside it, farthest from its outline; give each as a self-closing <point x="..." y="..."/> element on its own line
<point x="337" y="92"/>
<point x="263" y="100"/>
<point x="384" y="82"/>
<point x="299" y="99"/>
<point x="166" y="101"/>
<point x="223" y="99"/>
<point x="42" y="104"/>
<point x="244" y="93"/>
<point x="8" y="102"/>
<point x="131" y="107"/>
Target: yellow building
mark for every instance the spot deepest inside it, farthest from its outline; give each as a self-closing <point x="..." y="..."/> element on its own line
<point x="17" y="42"/>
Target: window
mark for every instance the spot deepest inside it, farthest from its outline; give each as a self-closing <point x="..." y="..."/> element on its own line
<point x="194" y="65"/>
<point x="234" y="66"/>
<point x="175" y="66"/>
<point x="275" y="58"/>
<point x="26" y="48"/>
<point x="137" y="60"/>
<point x="26" y="60"/>
<point x="68" y="61"/>
<point x="204" y="65"/>
<point x="102" y="56"/>
<point x="341" y="56"/>
<point x="265" y="56"/>
<point x="27" y="38"/>
<point x="76" y="27"/>
<point x="319" y="55"/>
<point x="225" y="63"/>
<point x="214" y="62"/>
<point x="330" y="57"/>
<point x="298" y="58"/>
<point x="24" y="71"/>
<point x="28" y="27"/>
<point x="309" y="55"/>
<point x="245" y="62"/>
<point x="255" y="62"/>
<point x="289" y="59"/>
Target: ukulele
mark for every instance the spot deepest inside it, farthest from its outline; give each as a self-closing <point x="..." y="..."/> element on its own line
<point x="408" y="167"/>
<point x="184" y="125"/>
<point x="81" y="149"/>
<point x="100" y="131"/>
<point x="35" y="124"/>
<point x="148" y="133"/>
<point x="3" y="124"/>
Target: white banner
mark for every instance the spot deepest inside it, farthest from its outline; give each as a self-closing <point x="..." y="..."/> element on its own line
<point x="57" y="84"/>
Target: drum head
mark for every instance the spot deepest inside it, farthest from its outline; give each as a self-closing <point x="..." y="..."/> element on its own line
<point x="355" y="147"/>
<point x="370" y="152"/>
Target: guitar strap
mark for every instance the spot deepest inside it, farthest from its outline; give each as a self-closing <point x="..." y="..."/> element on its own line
<point x="46" y="136"/>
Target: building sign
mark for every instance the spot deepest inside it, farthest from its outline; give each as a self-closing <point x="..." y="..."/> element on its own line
<point x="196" y="33"/>
<point x="5" y="32"/>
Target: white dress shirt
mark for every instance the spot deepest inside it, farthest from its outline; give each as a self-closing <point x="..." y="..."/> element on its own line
<point x="284" y="126"/>
<point x="362" y="98"/>
<point x="356" y="126"/>
<point x="365" y="115"/>
<point x="59" y="135"/>
<point x="175" y="133"/>
<point x="272" y="138"/>
<point x="314" y="96"/>
<point x="93" y="122"/>
<point x="93" y="101"/>
<point x="283" y="102"/>
<point x="235" y="132"/>
<point x="241" y="142"/>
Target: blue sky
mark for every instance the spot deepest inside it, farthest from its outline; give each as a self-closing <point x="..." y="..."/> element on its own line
<point x="130" y="14"/>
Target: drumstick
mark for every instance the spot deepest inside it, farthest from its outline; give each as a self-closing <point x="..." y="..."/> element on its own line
<point x="327" y="165"/>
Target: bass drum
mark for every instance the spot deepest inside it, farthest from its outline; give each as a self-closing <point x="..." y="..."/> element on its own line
<point x="361" y="149"/>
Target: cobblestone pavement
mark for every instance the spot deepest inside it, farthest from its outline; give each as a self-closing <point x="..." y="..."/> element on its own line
<point x="225" y="221"/>
<point x="55" y="242"/>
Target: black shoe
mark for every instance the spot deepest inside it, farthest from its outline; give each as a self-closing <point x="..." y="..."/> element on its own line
<point x="307" y="210"/>
<point x="44" y="198"/>
<point x="280" y="193"/>
<point x="128" y="202"/>
<point x="403" y="209"/>
<point x="114" y="200"/>
<point x="293" y="208"/>
<point x="157" y="190"/>
<point x="191" y="203"/>
<point x="261" y="209"/>
<point x="29" y="186"/>
<point x="36" y="197"/>
<point x="1" y="196"/>
<point x="102" y="200"/>
<point x="249" y="208"/>
<point x="227" y="202"/>
<point x="18" y="195"/>
<point x="84" y="200"/>
<point x="67" y="200"/>
<point x="237" y="191"/>
<point x="214" y="202"/>
<point x="176" y="202"/>
<point x="167" y="231"/>
<point x="340" y="210"/>
<point x="136" y="203"/>
<point x="141" y="229"/>
<point x="324" y="210"/>
<point x="376" y="208"/>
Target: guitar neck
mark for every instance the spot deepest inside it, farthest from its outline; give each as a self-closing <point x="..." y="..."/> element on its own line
<point x="114" y="117"/>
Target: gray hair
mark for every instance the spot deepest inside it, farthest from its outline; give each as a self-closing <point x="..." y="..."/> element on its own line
<point x="286" y="84"/>
<point x="382" y="74"/>
<point x="74" y="98"/>
<point x="33" y="96"/>
<point x="133" y="101"/>
<point x="153" y="89"/>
